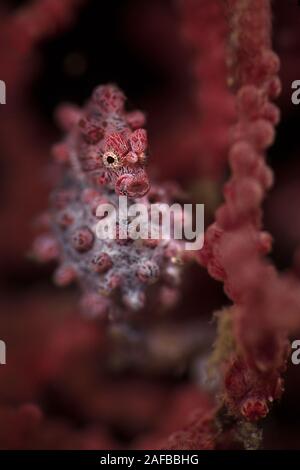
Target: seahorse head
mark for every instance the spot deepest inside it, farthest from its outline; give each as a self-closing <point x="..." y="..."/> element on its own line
<point x="111" y="144"/>
<point x="124" y="158"/>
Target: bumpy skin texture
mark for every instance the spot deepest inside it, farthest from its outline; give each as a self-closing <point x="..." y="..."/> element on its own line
<point x="235" y="245"/>
<point x="105" y="144"/>
<point x="103" y="156"/>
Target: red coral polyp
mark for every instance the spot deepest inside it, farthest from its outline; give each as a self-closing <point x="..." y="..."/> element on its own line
<point x="254" y="409"/>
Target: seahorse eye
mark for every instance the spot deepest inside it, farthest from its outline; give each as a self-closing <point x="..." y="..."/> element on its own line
<point x="111" y="160"/>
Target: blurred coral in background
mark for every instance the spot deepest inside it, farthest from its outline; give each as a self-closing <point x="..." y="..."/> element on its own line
<point x="213" y="370"/>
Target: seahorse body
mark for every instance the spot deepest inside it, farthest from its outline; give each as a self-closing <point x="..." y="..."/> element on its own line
<point x="104" y="156"/>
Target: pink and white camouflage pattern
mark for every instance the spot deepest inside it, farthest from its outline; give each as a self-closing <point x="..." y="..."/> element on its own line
<point x="105" y="144"/>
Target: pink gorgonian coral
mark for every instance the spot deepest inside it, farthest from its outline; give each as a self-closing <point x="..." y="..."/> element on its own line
<point x="105" y="144"/>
